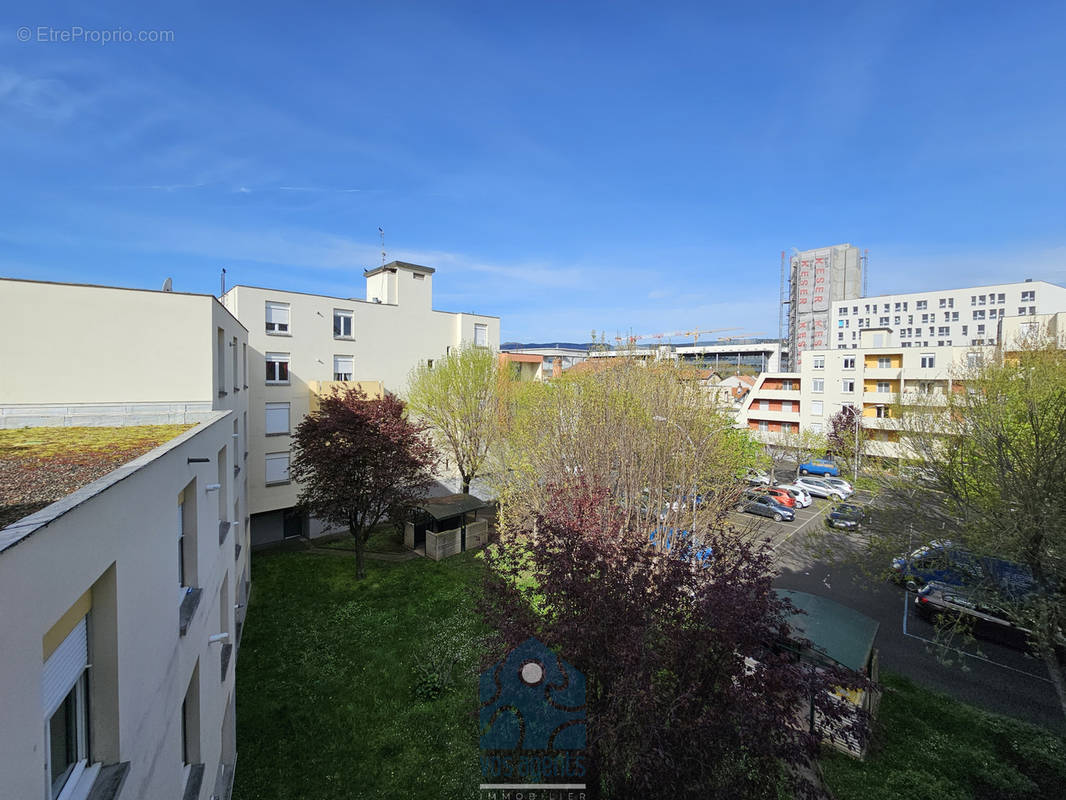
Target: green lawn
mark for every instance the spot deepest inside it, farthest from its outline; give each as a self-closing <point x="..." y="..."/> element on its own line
<point x="384" y="538"/>
<point x="928" y="745"/>
<point x="330" y="702"/>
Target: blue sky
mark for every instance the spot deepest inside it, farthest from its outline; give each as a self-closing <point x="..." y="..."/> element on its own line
<point x="568" y="166"/>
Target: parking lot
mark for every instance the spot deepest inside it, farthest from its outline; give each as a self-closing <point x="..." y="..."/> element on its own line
<point x="815" y="559"/>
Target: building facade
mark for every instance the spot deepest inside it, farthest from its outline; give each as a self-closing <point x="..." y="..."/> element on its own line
<point x="878" y="375"/>
<point x="301" y="345"/>
<point x="967" y="317"/>
<point x="818" y="279"/>
<point x="126" y="597"/>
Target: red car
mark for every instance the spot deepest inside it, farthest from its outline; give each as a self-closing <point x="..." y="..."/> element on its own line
<point x="780" y="495"/>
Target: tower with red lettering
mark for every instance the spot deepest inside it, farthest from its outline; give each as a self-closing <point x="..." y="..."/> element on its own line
<point x="816" y="279"/>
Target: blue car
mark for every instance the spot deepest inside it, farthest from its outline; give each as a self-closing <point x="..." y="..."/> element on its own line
<point x="945" y="563"/>
<point x="819" y="467"/>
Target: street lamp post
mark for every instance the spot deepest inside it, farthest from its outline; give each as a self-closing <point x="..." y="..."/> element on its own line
<point x="858" y="421"/>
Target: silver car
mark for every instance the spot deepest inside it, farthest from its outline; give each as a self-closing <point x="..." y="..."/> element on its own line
<point x="799" y="494"/>
<point x="819" y="488"/>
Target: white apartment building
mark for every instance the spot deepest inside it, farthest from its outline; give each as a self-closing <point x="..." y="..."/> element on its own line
<point x="965" y="317"/>
<point x="124" y="599"/>
<point x="873" y="376"/>
<point x="302" y="345"/>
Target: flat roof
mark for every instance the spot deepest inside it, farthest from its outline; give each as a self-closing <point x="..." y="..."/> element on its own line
<point x="1022" y="282"/>
<point x="837" y="632"/>
<point x="392" y="266"/>
<point x="39" y="466"/>
<point x="128" y="289"/>
<point x="452" y="505"/>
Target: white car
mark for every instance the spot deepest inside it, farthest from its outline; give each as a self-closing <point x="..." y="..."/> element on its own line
<point x="842" y="485"/>
<point x="819" y="488"/>
<point x="758" y="476"/>
<point x="799" y="494"/>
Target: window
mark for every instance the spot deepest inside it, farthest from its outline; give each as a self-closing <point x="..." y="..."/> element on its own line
<point x="277" y="317"/>
<point x="978" y="314"/>
<point x="928" y="360"/>
<point x="1032" y="309"/>
<point x="954" y="316"/>
<point x="186" y="539"/>
<point x="980" y="330"/>
<point x="818" y="385"/>
<point x="764" y="405"/>
<point x="847" y="385"/>
<point x="885" y="307"/>
<point x="277" y="418"/>
<point x="895" y="320"/>
<point x="981" y="299"/>
<point x="764" y="425"/>
<point x="848" y="362"/>
<point x="843" y="311"/>
<point x="481" y="334"/>
<point x="884" y="387"/>
<point x="882" y="321"/>
<point x="277" y="468"/>
<point x="1021" y="310"/>
<point x="925" y="317"/>
<point x="816" y="427"/>
<point x="65" y="693"/>
<point x="221" y="358"/>
<point x="787" y="386"/>
<point x="190" y="720"/>
<point x="342" y="324"/>
<point x="840" y="336"/>
<point x="910" y="319"/>
<point x="884" y="362"/>
<point x="816" y="408"/>
<point x="964" y="327"/>
<point x="1029" y="297"/>
<point x="1002" y="298"/>
<point x="920" y="305"/>
<point x="786" y="406"/>
<point x="277" y="367"/>
<point x="244" y="364"/>
<point x="898" y="305"/>
<point x="943" y="331"/>
<point x="883" y="412"/>
<point x="343" y="368"/>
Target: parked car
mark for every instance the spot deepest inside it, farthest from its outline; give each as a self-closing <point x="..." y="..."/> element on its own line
<point x="846" y="516"/>
<point x="819" y="466"/>
<point x="758" y="476"/>
<point x="944" y="562"/>
<point x="983" y="619"/>
<point x="840" y="484"/>
<point x="819" y="488"/>
<point x="780" y="495"/>
<point x="799" y="494"/>
<point x="765" y="506"/>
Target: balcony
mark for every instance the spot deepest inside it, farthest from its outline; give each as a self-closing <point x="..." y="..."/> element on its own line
<point x="882" y="374"/>
<point x="773" y="416"/>
<point x="880" y="398"/>
<point x="777" y="394"/>
<point x="372" y="389"/>
<point x="924" y="399"/>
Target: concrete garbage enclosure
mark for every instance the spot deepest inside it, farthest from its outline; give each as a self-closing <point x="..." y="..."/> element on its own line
<point x="447" y="525"/>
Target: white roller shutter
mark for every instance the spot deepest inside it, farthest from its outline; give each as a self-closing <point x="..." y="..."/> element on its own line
<point x="277" y="467"/>
<point x="277" y="417"/>
<point x="63" y="667"/>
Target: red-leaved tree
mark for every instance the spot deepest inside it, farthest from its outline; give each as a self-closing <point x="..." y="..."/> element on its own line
<point x="360" y="462"/>
<point x="692" y="690"/>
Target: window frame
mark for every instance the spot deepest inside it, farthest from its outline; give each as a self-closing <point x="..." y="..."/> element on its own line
<point x="288" y="418"/>
<point x="276" y="456"/>
<point x="344" y="314"/>
<point x="278" y="330"/>
<point x="338" y="361"/>
<point x="282" y="358"/>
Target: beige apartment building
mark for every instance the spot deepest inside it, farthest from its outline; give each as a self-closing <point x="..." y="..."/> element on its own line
<point x="124" y="598"/>
<point x="874" y="376"/>
<point x="301" y="345"/>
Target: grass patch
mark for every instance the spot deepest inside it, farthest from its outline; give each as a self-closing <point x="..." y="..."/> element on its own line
<point x="384" y="538"/>
<point x="332" y="678"/>
<point x="929" y="745"/>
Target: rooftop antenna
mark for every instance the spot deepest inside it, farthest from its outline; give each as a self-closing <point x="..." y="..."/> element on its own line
<point x="382" y="232"/>
<point x="223" y="282"/>
<point x="168" y="285"/>
<point x="865" y="273"/>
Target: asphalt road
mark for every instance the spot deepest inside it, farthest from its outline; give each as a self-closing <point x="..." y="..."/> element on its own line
<point x="984" y="673"/>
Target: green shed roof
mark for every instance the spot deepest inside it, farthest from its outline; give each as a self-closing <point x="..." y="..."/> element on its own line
<point x="452" y="505"/>
<point x="836" y="632"/>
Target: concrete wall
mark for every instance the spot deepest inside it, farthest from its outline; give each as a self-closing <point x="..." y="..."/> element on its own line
<point x="117" y="539"/>
<point x="388" y="342"/>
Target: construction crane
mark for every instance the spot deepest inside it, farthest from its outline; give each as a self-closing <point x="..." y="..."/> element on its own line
<point x="741" y="336"/>
<point x="695" y="334"/>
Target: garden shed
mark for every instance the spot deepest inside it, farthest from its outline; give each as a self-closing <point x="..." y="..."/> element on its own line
<point x="448" y="525"/>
